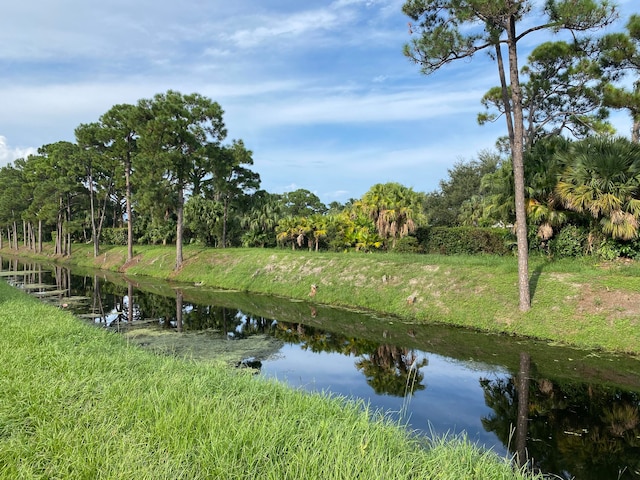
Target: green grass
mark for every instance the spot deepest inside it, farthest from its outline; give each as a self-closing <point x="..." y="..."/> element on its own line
<point x="78" y="402"/>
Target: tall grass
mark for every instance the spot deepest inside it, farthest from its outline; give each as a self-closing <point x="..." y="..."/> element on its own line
<point x="78" y="402"/>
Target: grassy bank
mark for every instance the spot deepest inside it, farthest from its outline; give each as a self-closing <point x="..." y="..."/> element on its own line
<point x="78" y="402"/>
<point x="574" y="301"/>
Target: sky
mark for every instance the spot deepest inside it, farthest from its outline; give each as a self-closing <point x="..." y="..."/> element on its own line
<point x="319" y="91"/>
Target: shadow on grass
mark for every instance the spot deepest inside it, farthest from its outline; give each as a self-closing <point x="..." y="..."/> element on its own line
<point x="533" y="281"/>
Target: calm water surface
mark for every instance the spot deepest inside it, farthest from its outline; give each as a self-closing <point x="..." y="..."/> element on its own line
<point x="578" y="412"/>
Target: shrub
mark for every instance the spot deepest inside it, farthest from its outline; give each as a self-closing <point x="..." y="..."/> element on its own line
<point x="610" y="249"/>
<point x="114" y="236"/>
<point x="408" y="244"/>
<point x="465" y="240"/>
<point x="569" y="242"/>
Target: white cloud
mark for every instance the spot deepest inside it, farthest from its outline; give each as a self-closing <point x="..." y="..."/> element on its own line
<point x="8" y="154"/>
<point x="284" y="27"/>
<point x="308" y="108"/>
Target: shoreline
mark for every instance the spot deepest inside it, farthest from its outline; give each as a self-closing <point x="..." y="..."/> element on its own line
<point x="584" y="305"/>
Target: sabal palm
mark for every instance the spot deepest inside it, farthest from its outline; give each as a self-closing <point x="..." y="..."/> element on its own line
<point x="602" y="178"/>
<point x="318" y="225"/>
<point x="395" y="209"/>
<point x="287" y="229"/>
<point x="543" y="163"/>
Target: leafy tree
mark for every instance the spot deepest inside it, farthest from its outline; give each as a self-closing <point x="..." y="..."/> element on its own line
<point x="301" y="203"/>
<point x="202" y="218"/>
<point x="12" y="202"/>
<point x="232" y="179"/>
<point x="179" y="130"/>
<point x="64" y="182"/>
<point x="99" y="171"/>
<point x="449" y="30"/>
<point x="443" y="207"/>
<point x="120" y="131"/>
<point x="291" y="229"/>
<point x="545" y="210"/>
<point x="352" y="228"/>
<point x="318" y="225"/>
<point x="622" y="53"/>
<point x="260" y="220"/>
<point x="563" y="93"/>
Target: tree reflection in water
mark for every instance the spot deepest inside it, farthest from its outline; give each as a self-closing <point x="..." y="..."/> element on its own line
<point x="389" y="369"/>
<point x="587" y="432"/>
<point x="393" y="370"/>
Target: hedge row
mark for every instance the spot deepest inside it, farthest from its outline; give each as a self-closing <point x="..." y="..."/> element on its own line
<point x="465" y="240"/>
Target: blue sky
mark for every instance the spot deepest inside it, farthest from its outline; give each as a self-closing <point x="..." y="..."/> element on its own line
<point x="319" y="90"/>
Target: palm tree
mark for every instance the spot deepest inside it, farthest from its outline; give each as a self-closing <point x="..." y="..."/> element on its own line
<point x="287" y="230"/>
<point x="318" y="225"/>
<point x="261" y="220"/>
<point x="395" y="209"/>
<point x="542" y="167"/>
<point x="602" y="178"/>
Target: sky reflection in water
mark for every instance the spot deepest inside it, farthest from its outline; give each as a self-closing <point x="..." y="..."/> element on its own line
<point x="452" y="401"/>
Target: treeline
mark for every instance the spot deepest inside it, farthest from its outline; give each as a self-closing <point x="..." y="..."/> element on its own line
<point x="159" y="172"/>
<point x="162" y="171"/>
<point x="583" y="198"/>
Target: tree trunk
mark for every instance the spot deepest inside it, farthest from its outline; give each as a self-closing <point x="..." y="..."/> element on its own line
<point x="39" y="247"/>
<point x="180" y="212"/>
<point x="179" y="301"/>
<point x="224" y="222"/>
<point x="94" y="232"/>
<point x="505" y="94"/>
<point x="523" y="410"/>
<point x="127" y="173"/>
<point x="31" y="244"/>
<point x="68" y="249"/>
<point x="517" y="157"/>
<point x="130" y="303"/>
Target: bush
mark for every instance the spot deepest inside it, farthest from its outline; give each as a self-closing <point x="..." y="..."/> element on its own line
<point x="408" y="245"/>
<point x="114" y="236"/>
<point x="465" y="240"/>
<point x="569" y="242"/>
<point x="611" y="249"/>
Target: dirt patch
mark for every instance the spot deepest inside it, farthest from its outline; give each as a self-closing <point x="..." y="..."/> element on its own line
<point x="614" y="305"/>
<point x="431" y="268"/>
<point x="565" y="278"/>
<point x="134" y="261"/>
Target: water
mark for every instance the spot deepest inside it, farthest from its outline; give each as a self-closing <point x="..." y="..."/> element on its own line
<point x="578" y="411"/>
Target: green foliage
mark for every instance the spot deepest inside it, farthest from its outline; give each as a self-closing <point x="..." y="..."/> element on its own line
<point x="451" y="205"/>
<point x="113" y="236"/>
<point x="301" y="203"/>
<point x="571" y="241"/>
<point x="561" y="92"/>
<point x="465" y="240"/>
<point x="621" y="54"/>
<point x="396" y="210"/>
<point x="408" y="244"/>
<point x="203" y="220"/>
<point x="602" y="180"/>
<point x="612" y="249"/>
